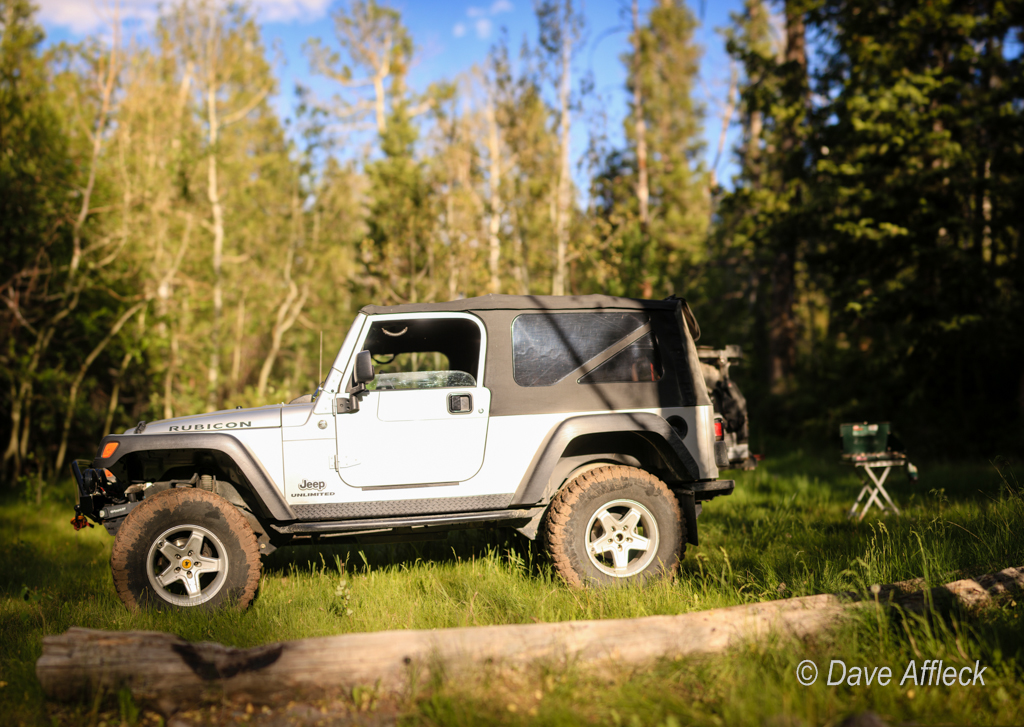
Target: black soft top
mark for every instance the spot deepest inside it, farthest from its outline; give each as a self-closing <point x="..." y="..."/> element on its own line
<point x="527" y="302"/>
<point x="681" y="385"/>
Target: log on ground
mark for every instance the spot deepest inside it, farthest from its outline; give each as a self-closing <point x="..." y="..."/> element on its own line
<point x="160" y="667"/>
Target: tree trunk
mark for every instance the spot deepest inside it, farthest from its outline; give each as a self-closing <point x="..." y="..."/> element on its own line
<point x="782" y="324"/>
<point x="494" y="219"/>
<point x="380" y="101"/>
<point x="69" y="412"/>
<point x="290" y="309"/>
<point x="752" y="157"/>
<point x="287" y="313"/>
<point x="165" y="284"/>
<point x="453" y="257"/>
<point x="412" y="267"/>
<point x="754" y="122"/>
<point x="17" y="445"/>
<point x="107" y="95"/>
<point x="213" y="195"/>
<point x="984" y="204"/>
<point x="643" y="192"/>
<point x="115" y="393"/>
<point x="522" y="255"/>
<point x="20" y="393"/>
<point x="795" y="87"/>
<point x="564" y="180"/>
<point x="236" y="356"/>
<point x="727" y="112"/>
<point x="11" y="453"/>
<point x="169" y="377"/>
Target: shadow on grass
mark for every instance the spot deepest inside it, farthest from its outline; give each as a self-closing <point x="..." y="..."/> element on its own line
<point x="43" y="551"/>
<point x="459" y="546"/>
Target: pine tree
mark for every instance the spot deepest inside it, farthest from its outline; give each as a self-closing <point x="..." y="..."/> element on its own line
<point x="401" y="214"/>
<point x="767" y="217"/>
<point x="920" y="186"/>
<point x="653" y="197"/>
<point x="664" y="70"/>
<point x="531" y="187"/>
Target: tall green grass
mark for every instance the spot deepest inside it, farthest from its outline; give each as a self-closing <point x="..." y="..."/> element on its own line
<point x="756" y="684"/>
<point x="782" y="533"/>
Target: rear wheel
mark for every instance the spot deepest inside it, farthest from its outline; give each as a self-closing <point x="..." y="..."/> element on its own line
<point x="614" y="525"/>
<point x="185" y="548"/>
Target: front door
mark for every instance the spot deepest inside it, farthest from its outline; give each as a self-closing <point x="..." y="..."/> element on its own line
<point x="424" y="420"/>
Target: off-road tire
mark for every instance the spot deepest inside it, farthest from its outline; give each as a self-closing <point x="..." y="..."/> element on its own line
<point x="186" y="507"/>
<point x="578" y="502"/>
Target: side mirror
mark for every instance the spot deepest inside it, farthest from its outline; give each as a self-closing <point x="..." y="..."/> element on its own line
<point x="361" y="376"/>
<point x="363" y="373"/>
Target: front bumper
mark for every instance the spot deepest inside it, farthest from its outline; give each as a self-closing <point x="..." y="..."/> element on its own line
<point x="89" y="496"/>
<point x="98" y="498"/>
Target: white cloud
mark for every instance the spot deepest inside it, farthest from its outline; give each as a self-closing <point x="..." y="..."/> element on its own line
<point x="85" y="16"/>
<point x="482" y="23"/>
<point x="483" y="28"/>
<point x="283" y="11"/>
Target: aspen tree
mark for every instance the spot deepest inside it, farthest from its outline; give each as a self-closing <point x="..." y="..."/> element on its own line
<point x="231" y="81"/>
<point x="561" y="28"/>
<point x="375" y="46"/>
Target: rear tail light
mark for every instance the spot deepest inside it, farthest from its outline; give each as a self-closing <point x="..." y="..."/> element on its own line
<point x="719" y="430"/>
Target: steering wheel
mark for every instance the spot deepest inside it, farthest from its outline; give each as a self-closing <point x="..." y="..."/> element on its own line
<point x="377" y="359"/>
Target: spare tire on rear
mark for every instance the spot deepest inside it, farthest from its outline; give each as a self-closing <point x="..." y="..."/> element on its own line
<point x="185" y="548"/>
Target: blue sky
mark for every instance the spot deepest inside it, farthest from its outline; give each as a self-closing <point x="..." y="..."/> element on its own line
<point x="450" y="37"/>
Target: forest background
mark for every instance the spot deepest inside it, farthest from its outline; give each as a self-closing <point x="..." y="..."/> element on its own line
<point x="171" y="244"/>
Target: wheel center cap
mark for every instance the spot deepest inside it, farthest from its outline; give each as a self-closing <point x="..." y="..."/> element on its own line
<point x="186" y="564"/>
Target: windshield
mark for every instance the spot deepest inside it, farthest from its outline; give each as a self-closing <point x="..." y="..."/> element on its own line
<point x="421" y="380"/>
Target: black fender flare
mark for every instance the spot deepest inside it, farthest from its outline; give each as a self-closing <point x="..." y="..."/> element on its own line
<point x="532" y="488"/>
<point x="268" y="497"/>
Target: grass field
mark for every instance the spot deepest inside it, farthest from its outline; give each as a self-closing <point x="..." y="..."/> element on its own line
<point x="782" y="534"/>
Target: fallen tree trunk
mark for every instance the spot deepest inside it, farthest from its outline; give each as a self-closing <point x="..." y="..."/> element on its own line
<point x="163" y="667"/>
<point x="967" y="593"/>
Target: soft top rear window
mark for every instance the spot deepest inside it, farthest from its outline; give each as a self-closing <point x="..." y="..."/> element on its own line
<point x="548" y="347"/>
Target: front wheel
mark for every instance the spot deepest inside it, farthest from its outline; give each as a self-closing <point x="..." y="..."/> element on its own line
<point x="614" y="525"/>
<point x="185" y="548"/>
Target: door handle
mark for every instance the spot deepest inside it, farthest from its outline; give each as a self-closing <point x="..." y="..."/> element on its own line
<point x="460" y="403"/>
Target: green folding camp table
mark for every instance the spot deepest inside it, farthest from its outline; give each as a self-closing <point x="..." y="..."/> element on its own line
<point x="865" y="446"/>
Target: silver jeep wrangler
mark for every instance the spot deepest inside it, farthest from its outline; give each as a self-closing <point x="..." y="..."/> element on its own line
<point x="584" y="419"/>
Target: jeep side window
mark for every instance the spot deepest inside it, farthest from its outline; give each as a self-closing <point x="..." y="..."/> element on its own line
<point x="424" y="353"/>
<point x="637" y="362"/>
<point x="547" y="347"/>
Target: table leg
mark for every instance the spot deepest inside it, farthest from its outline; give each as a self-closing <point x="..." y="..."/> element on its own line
<point x="873" y="499"/>
<point x="879" y="488"/>
<point x="853" y="510"/>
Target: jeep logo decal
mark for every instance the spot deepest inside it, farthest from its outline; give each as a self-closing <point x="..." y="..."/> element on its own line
<point x="204" y="427"/>
<point x="307" y="485"/>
